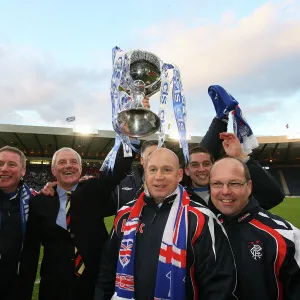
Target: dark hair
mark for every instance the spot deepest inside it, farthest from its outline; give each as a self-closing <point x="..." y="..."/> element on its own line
<point x="17" y="151"/>
<point x="245" y="167"/>
<point x="149" y="143"/>
<point x="199" y="149"/>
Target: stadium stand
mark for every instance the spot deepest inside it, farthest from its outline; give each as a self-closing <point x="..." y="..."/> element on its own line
<point x="292" y="177"/>
<point x="275" y="174"/>
<point x="278" y="153"/>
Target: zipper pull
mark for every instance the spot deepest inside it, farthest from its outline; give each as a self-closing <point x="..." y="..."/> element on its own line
<point x="154" y="217"/>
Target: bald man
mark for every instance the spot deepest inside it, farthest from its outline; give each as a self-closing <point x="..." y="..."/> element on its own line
<point x="164" y="246"/>
<point x="266" y="247"/>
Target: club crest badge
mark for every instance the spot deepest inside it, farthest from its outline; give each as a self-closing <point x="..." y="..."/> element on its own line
<point x="256" y="250"/>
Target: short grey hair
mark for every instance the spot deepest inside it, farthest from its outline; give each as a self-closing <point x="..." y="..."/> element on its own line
<point x="65" y="149"/>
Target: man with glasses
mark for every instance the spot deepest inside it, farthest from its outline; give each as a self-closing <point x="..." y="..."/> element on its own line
<point x="265" y="188"/>
<point x="265" y="246"/>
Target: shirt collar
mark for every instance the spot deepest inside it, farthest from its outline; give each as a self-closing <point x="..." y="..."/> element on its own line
<point x="11" y="196"/>
<point x="61" y="192"/>
<point x="201" y="189"/>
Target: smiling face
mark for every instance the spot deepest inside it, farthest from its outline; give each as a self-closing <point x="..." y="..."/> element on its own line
<point x="67" y="169"/>
<point x="162" y="174"/>
<point x="11" y="171"/>
<point x="199" y="168"/>
<point x="230" y="201"/>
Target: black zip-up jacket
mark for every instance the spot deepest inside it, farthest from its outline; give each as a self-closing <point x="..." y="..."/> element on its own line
<point x="209" y="274"/>
<point x="128" y="188"/>
<point x="11" y="237"/>
<point x="267" y="254"/>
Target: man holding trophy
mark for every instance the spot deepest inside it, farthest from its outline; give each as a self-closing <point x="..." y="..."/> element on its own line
<point x="162" y="246"/>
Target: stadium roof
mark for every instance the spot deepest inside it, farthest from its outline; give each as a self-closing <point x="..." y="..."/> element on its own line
<point x="40" y="142"/>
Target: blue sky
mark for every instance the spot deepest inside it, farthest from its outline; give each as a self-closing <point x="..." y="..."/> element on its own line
<point x="55" y="57"/>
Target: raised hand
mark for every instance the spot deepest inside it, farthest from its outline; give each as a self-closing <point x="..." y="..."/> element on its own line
<point x="146" y="102"/>
<point x="232" y="145"/>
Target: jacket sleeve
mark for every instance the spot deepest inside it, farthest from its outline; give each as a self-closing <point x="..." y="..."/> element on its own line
<point x="211" y="141"/>
<point x="289" y="274"/>
<point x="30" y="257"/>
<point x="114" y="200"/>
<point x="121" y="168"/>
<point x="215" y="272"/>
<point x="105" y="284"/>
<point x="109" y="180"/>
<point x="266" y="189"/>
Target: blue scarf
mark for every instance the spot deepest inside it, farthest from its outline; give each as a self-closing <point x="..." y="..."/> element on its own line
<point x="224" y="103"/>
<point x="25" y="194"/>
<point x="171" y="270"/>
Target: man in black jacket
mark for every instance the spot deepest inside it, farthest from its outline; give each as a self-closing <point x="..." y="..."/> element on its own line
<point x="266" y="247"/>
<point x="265" y="188"/>
<point x="14" y="197"/>
<point x="161" y="268"/>
<point x="70" y="227"/>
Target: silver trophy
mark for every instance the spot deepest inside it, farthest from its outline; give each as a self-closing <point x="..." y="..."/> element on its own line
<point x="143" y="79"/>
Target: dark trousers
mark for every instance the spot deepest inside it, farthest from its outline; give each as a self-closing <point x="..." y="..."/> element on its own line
<point x="66" y="289"/>
<point x="8" y="286"/>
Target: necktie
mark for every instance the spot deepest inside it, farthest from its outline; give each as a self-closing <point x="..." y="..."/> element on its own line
<point x="79" y="264"/>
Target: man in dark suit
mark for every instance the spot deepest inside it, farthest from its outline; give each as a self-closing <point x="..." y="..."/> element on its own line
<point x="71" y="229"/>
<point x="14" y="196"/>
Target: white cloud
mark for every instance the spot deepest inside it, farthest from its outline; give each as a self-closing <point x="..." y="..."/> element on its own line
<point x="256" y="58"/>
<point x="34" y="90"/>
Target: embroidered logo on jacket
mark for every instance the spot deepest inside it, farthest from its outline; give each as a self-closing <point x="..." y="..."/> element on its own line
<point x="126" y="188"/>
<point x="256" y="250"/>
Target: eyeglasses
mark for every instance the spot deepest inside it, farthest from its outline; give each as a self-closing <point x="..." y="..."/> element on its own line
<point x="232" y="185"/>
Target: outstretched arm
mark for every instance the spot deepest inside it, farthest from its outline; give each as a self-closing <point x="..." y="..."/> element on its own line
<point x="211" y="141"/>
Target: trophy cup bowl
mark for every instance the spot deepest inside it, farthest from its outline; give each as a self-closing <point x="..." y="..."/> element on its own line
<point x="135" y="120"/>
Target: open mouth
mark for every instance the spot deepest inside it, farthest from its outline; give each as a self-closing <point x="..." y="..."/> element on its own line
<point x="5" y="177"/>
<point x="159" y="186"/>
<point x="227" y="201"/>
<point x="68" y="173"/>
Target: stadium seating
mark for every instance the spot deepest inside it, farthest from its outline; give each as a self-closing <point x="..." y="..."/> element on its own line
<point x="292" y="177"/>
<point x="275" y="174"/>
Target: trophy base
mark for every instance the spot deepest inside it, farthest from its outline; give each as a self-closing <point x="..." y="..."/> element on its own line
<point x="138" y="122"/>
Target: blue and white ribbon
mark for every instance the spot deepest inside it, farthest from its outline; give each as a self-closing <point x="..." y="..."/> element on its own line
<point x="164" y="92"/>
<point x="121" y="65"/>
<point x="179" y="107"/>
